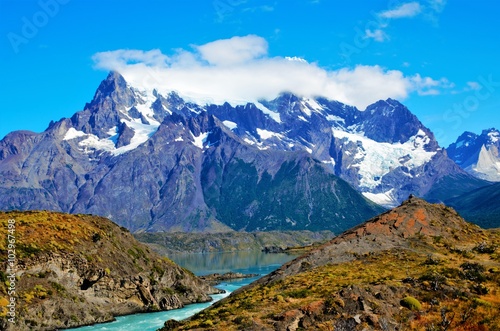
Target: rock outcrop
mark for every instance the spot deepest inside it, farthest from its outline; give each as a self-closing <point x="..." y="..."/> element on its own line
<point x="74" y="270"/>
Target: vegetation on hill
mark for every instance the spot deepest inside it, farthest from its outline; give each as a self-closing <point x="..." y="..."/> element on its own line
<point x="73" y="270"/>
<point x="417" y="267"/>
<point x="301" y="195"/>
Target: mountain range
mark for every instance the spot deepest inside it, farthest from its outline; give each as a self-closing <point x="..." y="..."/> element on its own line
<point x="153" y="160"/>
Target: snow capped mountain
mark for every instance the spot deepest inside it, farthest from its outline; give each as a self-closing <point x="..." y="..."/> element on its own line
<point x="383" y="151"/>
<point x="478" y="154"/>
<point x="155" y="160"/>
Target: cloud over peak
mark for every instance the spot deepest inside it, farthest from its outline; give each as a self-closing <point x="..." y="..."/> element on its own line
<point x="239" y="70"/>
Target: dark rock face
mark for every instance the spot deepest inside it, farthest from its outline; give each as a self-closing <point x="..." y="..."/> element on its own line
<point x="154" y="162"/>
<point x="480" y="206"/>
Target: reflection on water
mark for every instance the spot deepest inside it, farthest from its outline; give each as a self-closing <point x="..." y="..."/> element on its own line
<point x="249" y="262"/>
<point x="222" y="262"/>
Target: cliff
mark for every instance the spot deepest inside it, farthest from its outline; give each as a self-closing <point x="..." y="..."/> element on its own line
<point x="73" y="270"/>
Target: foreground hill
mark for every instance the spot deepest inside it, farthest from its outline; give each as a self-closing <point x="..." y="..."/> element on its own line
<point x="417" y="267"/>
<point x="79" y="269"/>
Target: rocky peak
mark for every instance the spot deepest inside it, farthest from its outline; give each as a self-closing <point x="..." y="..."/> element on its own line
<point x="478" y="154"/>
<point x="390" y="121"/>
<point x="114" y="88"/>
<point x="111" y="100"/>
<point x="414" y="216"/>
<point x="16" y="142"/>
<point x="493" y="135"/>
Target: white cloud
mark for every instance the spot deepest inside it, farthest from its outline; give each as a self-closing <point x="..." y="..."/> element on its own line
<point x="122" y="57"/>
<point x="410" y="9"/>
<point x="239" y="70"/>
<point x="429" y="86"/>
<point x="474" y="86"/>
<point x="437" y="5"/>
<point x="233" y="51"/>
<point x="377" y="34"/>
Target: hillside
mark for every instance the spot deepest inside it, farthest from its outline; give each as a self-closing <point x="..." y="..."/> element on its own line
<point x="417" y="267"/>
<point x="80" y="269"/>
<point x="481" y="206"/>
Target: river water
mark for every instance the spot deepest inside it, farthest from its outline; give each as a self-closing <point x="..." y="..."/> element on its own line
<point x="248" y="262"/>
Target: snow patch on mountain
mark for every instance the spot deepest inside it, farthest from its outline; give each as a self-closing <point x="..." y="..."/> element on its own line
<point x="494" y="136"/>
<point x="386" y="199"/>
<point x="231" y="125"/>
<point x="311" y="104"/>
<point x="200" y="140"/>
<point x="333" y="118"/>
<point x="331" y="161"/>
<point x="91" y="143"/>
<point x="265" y="134"/>
<point x="272" y="114"/>
<point x="72" y="133"/>
<point x="375" y="160"/>
<point x="142" y="132"/>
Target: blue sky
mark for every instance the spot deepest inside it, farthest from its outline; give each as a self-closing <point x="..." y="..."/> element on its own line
<point x="439" y="58"/>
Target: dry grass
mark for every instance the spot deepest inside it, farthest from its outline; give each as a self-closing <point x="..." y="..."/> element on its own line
<point x="431" y="270"/>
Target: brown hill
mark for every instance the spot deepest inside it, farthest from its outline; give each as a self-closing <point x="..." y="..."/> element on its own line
<point x="75" y="270"/>
<point x="419" y="266"/>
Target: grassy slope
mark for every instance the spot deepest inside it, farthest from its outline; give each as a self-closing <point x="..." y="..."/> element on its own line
<point x="54" y="250"/>
<point x="451" y="269"/>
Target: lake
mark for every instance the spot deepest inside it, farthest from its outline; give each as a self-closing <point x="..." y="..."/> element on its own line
<point x="247" y="262"/>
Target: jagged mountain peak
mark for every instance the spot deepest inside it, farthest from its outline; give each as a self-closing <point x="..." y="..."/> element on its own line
<point x="115" y="87"/>
<point x="479" y="155"/>
<point x="386" y="107"/>
<point x="390" y="121"/>
<point x="467" y="135"/>
<point x="492" y="134"/>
